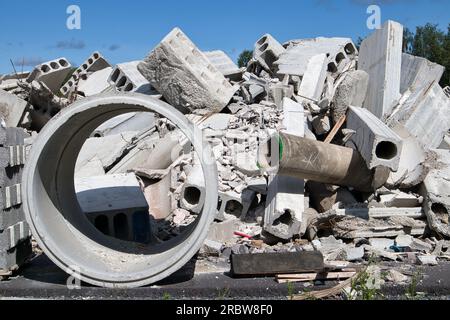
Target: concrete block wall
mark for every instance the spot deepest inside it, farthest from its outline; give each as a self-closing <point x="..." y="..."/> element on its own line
<point x="51" y="73"/>
<point x="15" y="243"/>
<point x="95" y="62"/>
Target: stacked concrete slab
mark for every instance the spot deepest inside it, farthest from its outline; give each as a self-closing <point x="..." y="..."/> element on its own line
<point x="15" y="243"/>
<point x="380" y="55"/>
<point x="185" y="77"/>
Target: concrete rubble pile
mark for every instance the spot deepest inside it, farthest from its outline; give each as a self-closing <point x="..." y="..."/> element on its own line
<point x="318" y="147"/>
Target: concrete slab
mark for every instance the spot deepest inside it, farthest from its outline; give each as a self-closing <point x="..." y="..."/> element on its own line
<point x="127" y="78"/>
<point x="380" y="55"/>
<point x="313" y="80"/>
<point x="12" y="108"/>
<point x="96" y="83"/>
<point x="418" y="72"/>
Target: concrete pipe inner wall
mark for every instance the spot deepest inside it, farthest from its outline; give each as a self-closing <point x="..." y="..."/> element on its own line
<point x="58" y="223"/>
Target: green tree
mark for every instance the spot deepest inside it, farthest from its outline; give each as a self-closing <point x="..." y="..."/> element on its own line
<point x="244" y="58"/>
<point x="408" y="40"/>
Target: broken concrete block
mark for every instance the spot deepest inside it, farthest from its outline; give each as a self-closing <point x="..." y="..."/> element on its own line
<point x="95" y="62"/>
<point x="295" y="59"/>
<point x="396" y="277"/>
<point x="294" y="117"/>
<point x="96" y="83"/>
<point x="278" y="91"/>
<point x="159" y="197"/>
<point x="404" y="240"/>
<point x="223" y="232"/>
<point x="351" y="91"/>
<point x="127" y="78"/>
<point x="313" y="80"/>
<point x="380" y="55"/>
<point x="284" y="206"/>
<point x="381" y="243"/>
<point x="193" y="192"/>
<point x="134" y="121"/>
<point x="436" y="193"/>
<point x="224" y="64"/>
<point x="354" y="253"/>
<point x="418" y="72"/>
<point x="376" y="142"/>
<point x="108" y="149"/>
<point x="411" y="170"/>
<point x="268" y="49"/>
<point x="321" y="124"/>
<point x="428" y="260"/>
<point x="51" y="73"/>
<point x="185" y="77"/>
<point x="116" y="205"/>
<point x="420" y="245"/>
<point x="12" y="109"/>
<point x="400" y="199"/>
<point x="424" y="114"/>
<point x="212" y="248"/>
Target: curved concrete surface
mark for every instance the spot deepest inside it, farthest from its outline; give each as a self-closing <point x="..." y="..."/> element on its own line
<point x="57" y="221"/>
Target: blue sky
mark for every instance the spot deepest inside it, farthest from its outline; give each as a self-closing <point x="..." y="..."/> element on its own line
<point x="35" y="31"/>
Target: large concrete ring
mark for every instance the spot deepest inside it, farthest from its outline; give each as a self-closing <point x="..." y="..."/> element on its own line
<point x="58" y="223"/>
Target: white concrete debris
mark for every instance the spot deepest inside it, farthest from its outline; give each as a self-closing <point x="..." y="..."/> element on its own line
<point x="380" y="55"/>
<point x="51" y="73"/>
<point x="418" y="72"/>
<point x="94" y="63"/>
<point x="425" y="115"/>
<point x="138" y="179"/>
<point x="127" y="78"/>
<point x="313" y="80"/>
<point x="376" y="142"/>
<point x="185" y="76"/>
<point x="224" y="64"/>
<point x="268" y="50"/>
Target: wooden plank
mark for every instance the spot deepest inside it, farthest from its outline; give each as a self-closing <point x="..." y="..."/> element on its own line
<point x="335" y="129"/>
<point x="314" y="276"/>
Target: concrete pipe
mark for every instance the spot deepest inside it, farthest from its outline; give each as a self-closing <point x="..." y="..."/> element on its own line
<point x="317" y="161"/>
<point x="61" y="228"/>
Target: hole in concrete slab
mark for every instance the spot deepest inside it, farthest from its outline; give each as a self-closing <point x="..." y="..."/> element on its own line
<point x="128" y="87"/>
<point x="285" y="218"/>
<point x="121" y="226"/>
<point x="90" y="61"/>
<point x="339" y="57"/>
<point x="63" y="63"/>
<point x="70" y="83"/>
<point x="115" y="75"/>
<point x="264" y="47"/>
<point x="192" y="195"/>
<point x="121" y="82"/>
<point x="234" y="207"/>
<point x="386" y="150"/>
<point x="262" y="40"/>
<point x="45" y="68"/>
<point x="332" y="67"/>
<point x="85" y="66"/>
<point x="441" y="212"/>
<point x="96" y="56"/>
<point x="101" y="223"/>
<point x="349" y="48"/>
<point x="54" y="65"/>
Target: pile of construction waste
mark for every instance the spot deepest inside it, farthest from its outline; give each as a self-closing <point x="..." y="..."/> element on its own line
<point x="319" y="146"/>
